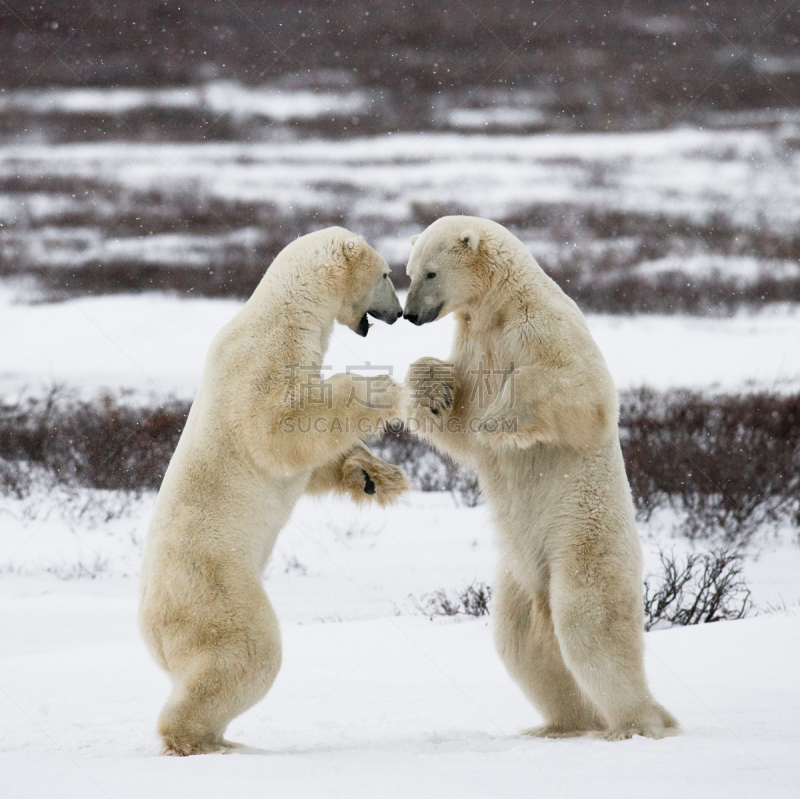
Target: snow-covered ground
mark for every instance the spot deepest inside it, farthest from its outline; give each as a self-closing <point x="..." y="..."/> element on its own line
<point x="375" y="563"/>
<point x="395" y="707"/>
<point x="373" y="699"/>
<point x="156" y="344"/>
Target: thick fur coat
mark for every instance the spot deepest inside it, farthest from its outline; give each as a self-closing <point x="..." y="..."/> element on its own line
<point x="527" y="400"/>
<point x="251" y="447"/>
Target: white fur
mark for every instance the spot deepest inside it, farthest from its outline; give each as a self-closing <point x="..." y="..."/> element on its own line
<point x="568" y="600"/>
<point x="237" y="473"/>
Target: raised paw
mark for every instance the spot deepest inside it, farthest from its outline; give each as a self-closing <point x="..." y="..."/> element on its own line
<point x="389" y="397"/>
<point x="433" y="386"/>
<point x="368" y="478"/>
<point x="438" y="399"/>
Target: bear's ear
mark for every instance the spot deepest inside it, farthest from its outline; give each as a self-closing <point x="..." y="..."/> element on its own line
<point x="414" y="239"/>
<point x="353" y="246"/>
<point x="471" y="238"/>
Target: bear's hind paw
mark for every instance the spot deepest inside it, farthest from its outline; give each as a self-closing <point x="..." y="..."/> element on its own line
<point x="555" y="731"/>
<point x="185" y="748"/>
<point x="661" y="728"/>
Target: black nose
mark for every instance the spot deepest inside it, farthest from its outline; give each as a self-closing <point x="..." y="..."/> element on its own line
<point x="399" y="314"/>
<point x="412" y="317"/>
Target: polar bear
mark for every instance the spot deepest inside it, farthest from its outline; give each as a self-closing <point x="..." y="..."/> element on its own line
<point x="528" y="401"/>
<point x="263" y="429"/>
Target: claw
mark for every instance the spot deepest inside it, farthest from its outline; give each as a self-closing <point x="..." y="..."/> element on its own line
<point x="369" y="483"/>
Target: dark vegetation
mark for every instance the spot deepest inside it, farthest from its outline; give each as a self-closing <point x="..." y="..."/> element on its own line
<point x="101" y="444"/>
<point x="593" y="253"/>
<point x="474" y="600"/>
<point x="618" y="64"/>
<point x="728" y="465"/>
<point x="701" y="588"/>
<point x="229" y="244"/>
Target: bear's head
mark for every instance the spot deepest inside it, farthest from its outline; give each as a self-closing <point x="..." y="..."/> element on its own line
<point x="447" y="267"/>
<point x="365" y="285"/>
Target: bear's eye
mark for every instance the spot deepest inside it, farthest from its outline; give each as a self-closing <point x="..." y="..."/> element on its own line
<point x="385" y="277"/>
<point x="431" y="275"/>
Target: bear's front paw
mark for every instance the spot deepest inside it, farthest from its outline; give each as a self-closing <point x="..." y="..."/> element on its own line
<point x="433" y="386"/>
<point x="368" y="478"/>
<point x="438" y="399"/>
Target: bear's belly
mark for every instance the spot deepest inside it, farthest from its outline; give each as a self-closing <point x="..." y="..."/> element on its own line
<point x="535" y="496"/>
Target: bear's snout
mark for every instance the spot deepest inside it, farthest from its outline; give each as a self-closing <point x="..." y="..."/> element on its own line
<point x="390" y="317"/>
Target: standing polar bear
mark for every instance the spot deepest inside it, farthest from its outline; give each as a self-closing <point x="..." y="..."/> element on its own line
<point x="263" y="429"/>
<point x="528" y="401"/>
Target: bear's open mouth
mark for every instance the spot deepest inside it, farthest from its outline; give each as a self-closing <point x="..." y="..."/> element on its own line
<point x="363" y="326"/>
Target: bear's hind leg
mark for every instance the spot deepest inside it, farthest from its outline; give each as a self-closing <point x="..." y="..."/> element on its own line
<point x="218" y="681"/>
<point x="527" y="645"/>
<point x="603" y="646"/>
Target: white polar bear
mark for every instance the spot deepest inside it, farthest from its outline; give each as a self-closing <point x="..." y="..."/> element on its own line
<point x="263" y="429"/>
<point x="529" y="403"/>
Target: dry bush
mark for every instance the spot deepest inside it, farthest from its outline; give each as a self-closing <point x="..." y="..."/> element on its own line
<point x="703" y="588"/>
<point x="700" y="589"/>
<point x="470" y="601"/>
<point x="729" y="463"/>
<point x="79" y="569"/>
<point x="100" y="444"/>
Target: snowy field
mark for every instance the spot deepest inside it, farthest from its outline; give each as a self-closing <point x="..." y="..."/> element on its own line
<point x="392" y="707"/>
<point x="373" y="699"/>
<point x="691" y="171"/>
<point x="719" y="206"/>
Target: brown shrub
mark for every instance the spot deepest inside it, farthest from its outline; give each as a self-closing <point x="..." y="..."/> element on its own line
<point x="705" y="588"/>
<point x="728" y="464"/>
